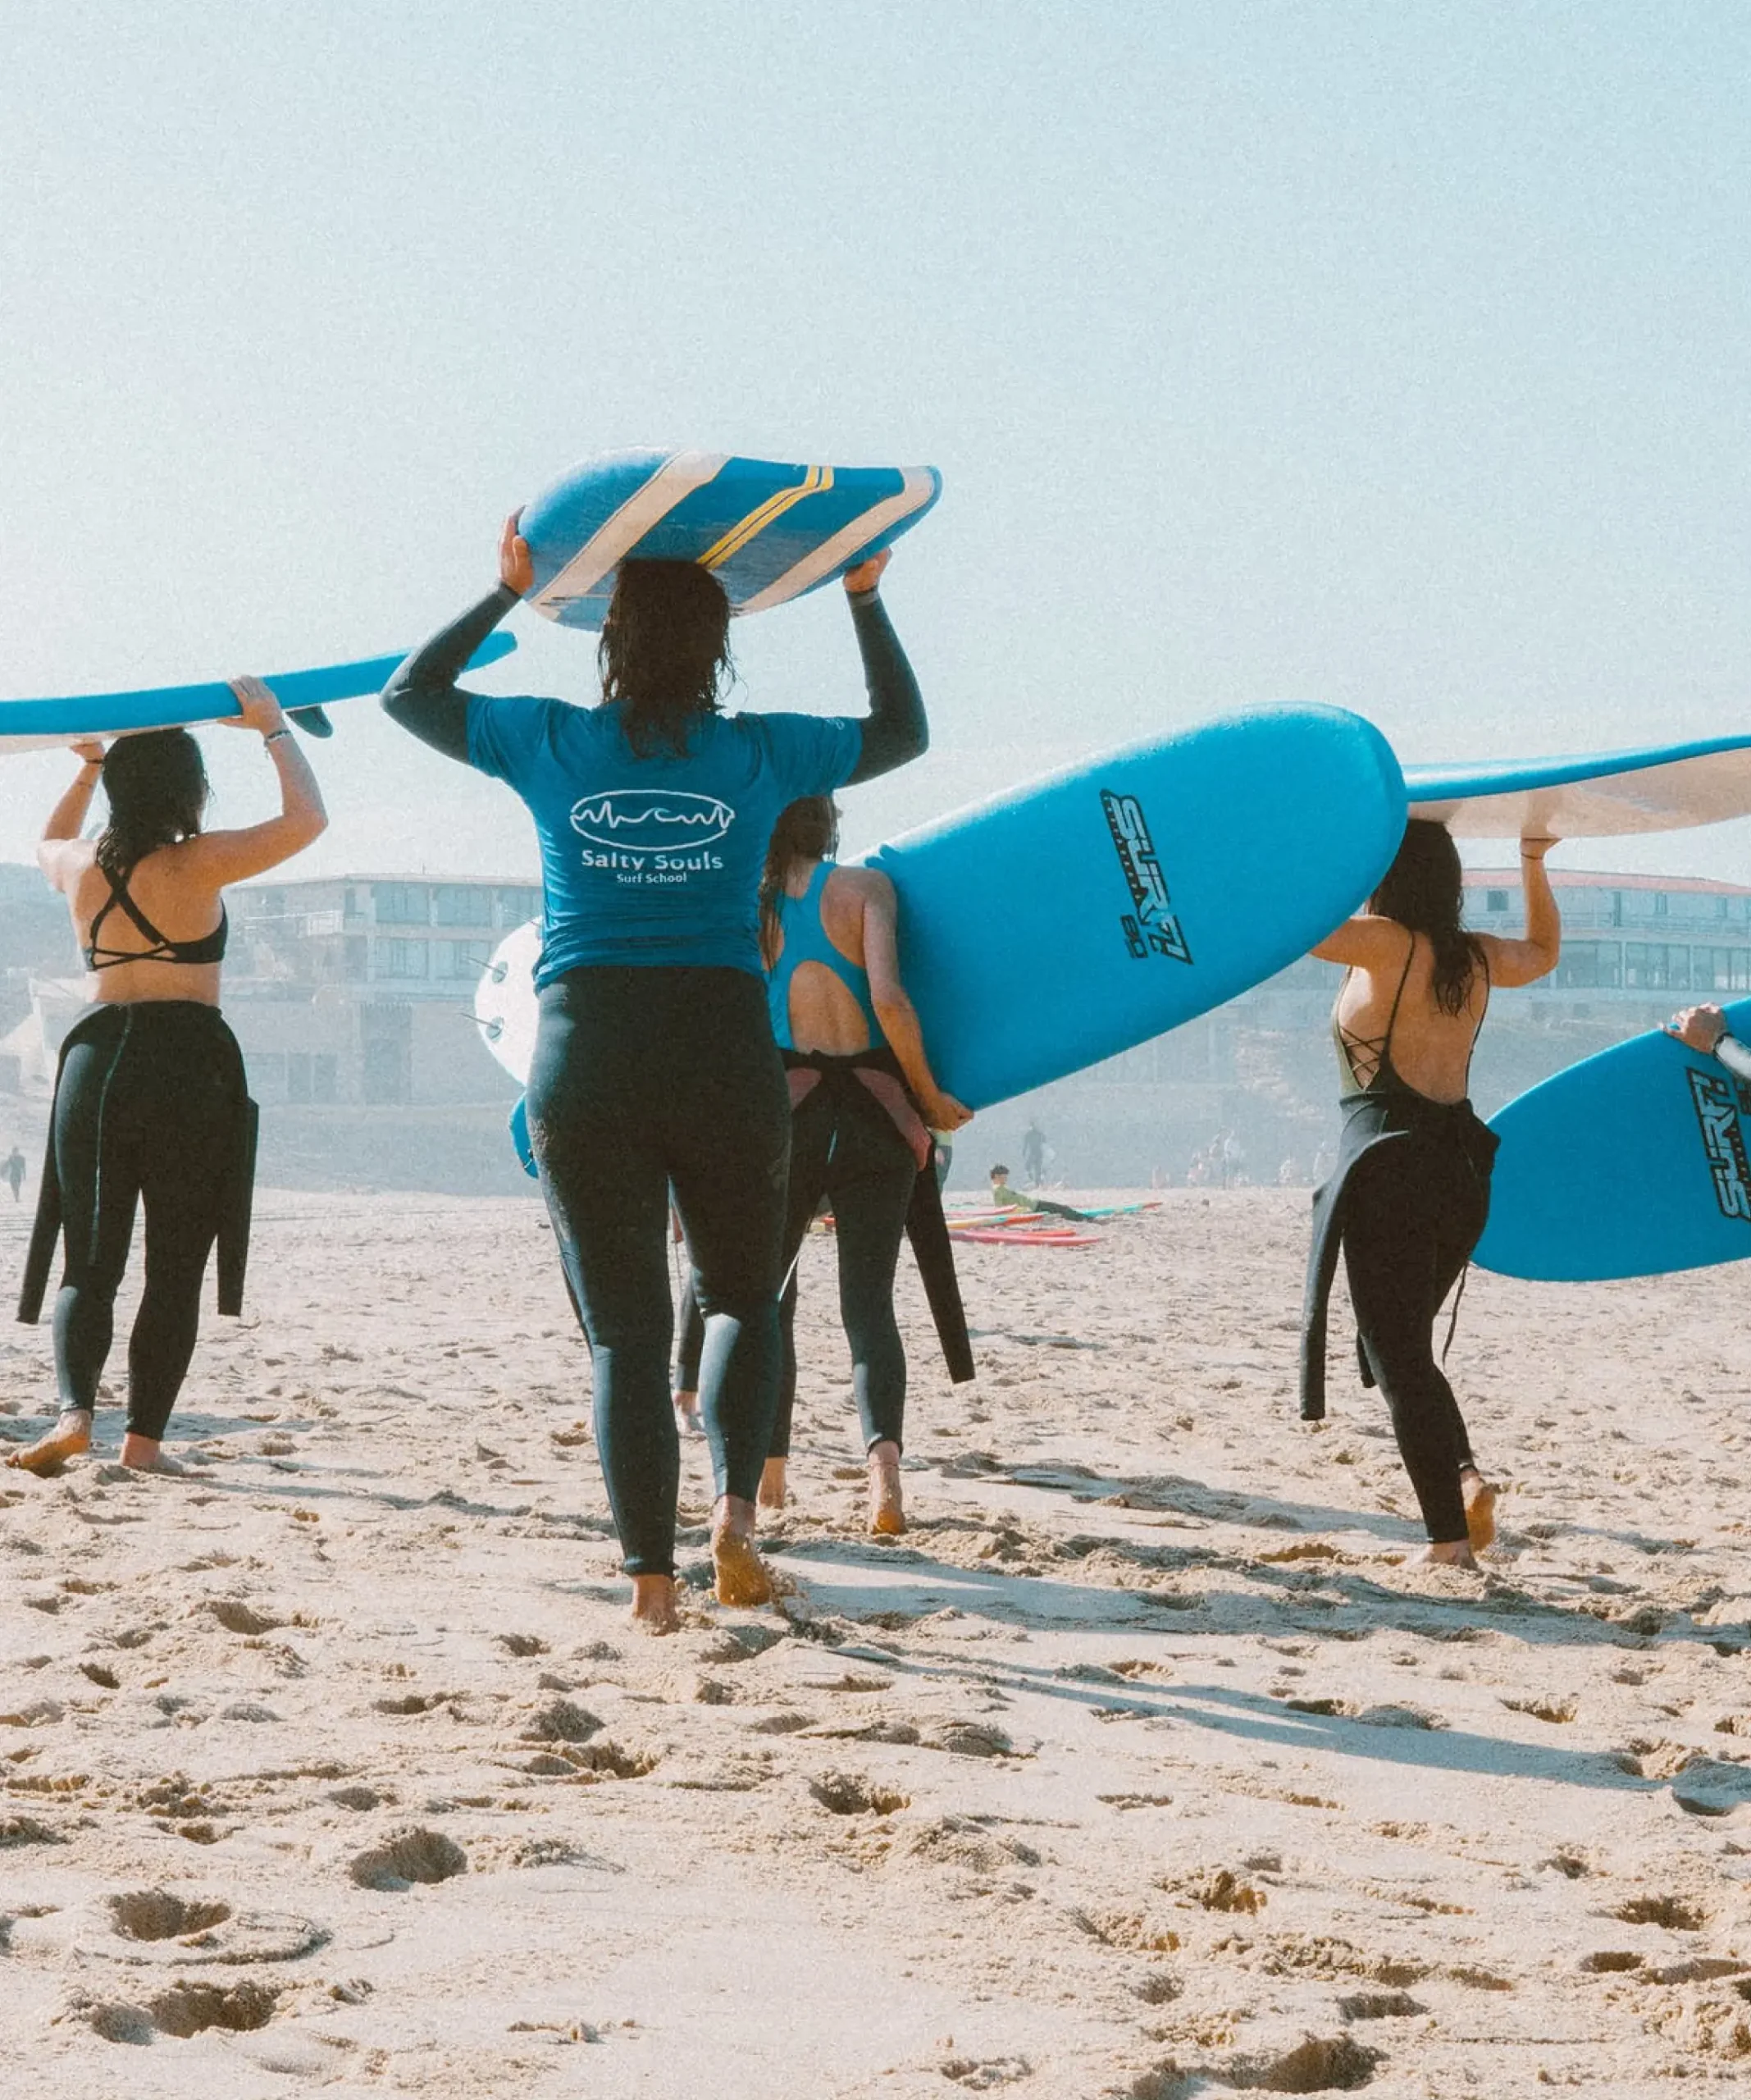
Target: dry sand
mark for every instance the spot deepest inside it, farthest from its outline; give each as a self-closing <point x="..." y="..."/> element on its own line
<point x="1148" y="1765"/>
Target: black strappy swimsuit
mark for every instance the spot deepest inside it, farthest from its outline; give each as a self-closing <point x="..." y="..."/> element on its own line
<point x="209" y="947"/>
<point x="1383" y="1076"/>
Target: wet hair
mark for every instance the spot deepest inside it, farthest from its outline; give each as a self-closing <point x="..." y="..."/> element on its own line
<point x="806" y="830"/>
<point x="665" y="651"/>
<point x="996" y="1171"/>
<point x="156" y="785"/>
<point x="1424" y="890"/>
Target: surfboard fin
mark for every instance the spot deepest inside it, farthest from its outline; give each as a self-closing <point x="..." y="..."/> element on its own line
<point x="313" y="721"/>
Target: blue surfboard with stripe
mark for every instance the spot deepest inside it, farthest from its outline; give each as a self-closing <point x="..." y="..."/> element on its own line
<point x="769" y="531"/>
<point x="38" y="724"/>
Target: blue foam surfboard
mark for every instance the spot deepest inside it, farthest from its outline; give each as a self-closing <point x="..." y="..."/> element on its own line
<point x="36" y="724"/>
<point x="1632" y="1163"/>
<point x="1665" y="788"/>
<point x="769" y="531"/>
<point x="1077" y="916"/>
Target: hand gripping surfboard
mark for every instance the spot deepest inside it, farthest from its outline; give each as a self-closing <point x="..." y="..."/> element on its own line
<point x="1664" y="787"/>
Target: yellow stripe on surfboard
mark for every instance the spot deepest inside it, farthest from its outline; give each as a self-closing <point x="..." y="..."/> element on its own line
<point x="814" y="481"/>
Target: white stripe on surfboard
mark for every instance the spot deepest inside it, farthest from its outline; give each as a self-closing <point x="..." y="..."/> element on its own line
<point x="674" y="480"/>
<point x="915" y="490"/>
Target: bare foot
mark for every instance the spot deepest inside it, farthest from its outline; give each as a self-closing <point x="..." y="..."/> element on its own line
<point x="887" y="1516"/>
<point x="772" y="1484"/>
<point x="146" y="1454"/>
<point x="687" y="1418"/>
<point x="70" y="1437"/>
<point x="1480" y="1508"/>
<point x="743" y="1577"/>
<point x="654" y="1608"/>
<point x="1450" y="1553"/>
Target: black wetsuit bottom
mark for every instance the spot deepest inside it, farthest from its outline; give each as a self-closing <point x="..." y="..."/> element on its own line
<point x="145" y="1115"/>
<point x="645" y="1081"/>
<point x="845" y="1145"/>
<point x="1413" y="1212"/>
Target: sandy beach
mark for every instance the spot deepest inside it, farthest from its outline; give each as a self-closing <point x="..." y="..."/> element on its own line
<point x="1147" y="1764"/>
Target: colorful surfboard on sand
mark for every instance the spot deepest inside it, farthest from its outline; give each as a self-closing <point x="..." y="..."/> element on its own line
<point x="28" y="725"/>
<point x="769" y="531"/>
<point x="1612" y="794"/>
<point x="1077" y="916"/>
<point x="1632" y="1163"/>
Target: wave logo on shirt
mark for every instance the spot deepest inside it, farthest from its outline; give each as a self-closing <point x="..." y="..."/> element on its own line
<point x="651" y="820"/>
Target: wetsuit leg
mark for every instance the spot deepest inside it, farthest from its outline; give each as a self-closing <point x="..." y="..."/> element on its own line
<point x="96" y="1245"/>
<point x="598" y="1145"/>
<point x="870" y="1179"/>
<point x="727" y="1134"/>
<point x="643" y="1079"/>
<point x="1411" y="1216"/>
<point x="813" y="1126"/>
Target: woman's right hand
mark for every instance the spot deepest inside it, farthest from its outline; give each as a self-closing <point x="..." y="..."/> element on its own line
<point x="1534" y="845"/>
<point x="516" y="567"/>
<point x="88" y="750"/>
<point x="1698" y="1028"/>
<point x="868" y="574"/>
<point x="258" y="707"/>
<point x="942" y="1111"/>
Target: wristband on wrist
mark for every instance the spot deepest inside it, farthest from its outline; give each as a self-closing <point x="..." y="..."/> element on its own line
<point x="274" y="735"/>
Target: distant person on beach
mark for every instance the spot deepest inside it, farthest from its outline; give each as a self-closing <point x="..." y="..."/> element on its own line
<point x="1006" y="1196"/>
<point x="654" y="1065"/>
<point x="1033" y="1155"/>
<point x="1410" y="1196"/>
<point x="150" y="1105"/>
<point x="864" y="1103"/>
<point x="14" y="1171"/>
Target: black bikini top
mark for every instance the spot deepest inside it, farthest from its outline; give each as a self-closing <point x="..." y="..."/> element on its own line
<point x="210" y="947"/>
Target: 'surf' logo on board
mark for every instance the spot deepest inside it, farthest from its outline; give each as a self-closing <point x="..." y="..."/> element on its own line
<point x="644" y="819"/>
<point x="1153" y="928"/>
<point x="1716" y="1100"/>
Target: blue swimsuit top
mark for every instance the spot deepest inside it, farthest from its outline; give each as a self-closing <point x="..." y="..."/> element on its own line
<point x="805" y="941"/>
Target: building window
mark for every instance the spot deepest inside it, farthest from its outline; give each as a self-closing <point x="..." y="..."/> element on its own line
<point x="1495" y="900"/>
<point x="298" y="1075"/>
<point x="1662" y="904"/>
<point x="454" y="905"/>
<point x="266" y="1070"/>
<point x="357" y="962"/>
<point x="400" y="904"/>
<point x="459" y="959"/>
<point x="325" y="1074"/>
<point x="516" y="906"/>
<point x="403" y="958"/>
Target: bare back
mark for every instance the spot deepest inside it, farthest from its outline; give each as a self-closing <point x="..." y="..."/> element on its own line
<point x="1431" y="1050"/>
<point x="171" y="888"/>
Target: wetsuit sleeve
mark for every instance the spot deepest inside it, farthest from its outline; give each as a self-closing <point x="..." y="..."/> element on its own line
<point x="423" y="695"/>
<point x="1735" y="1056"/>
<point x="896" y="731"/>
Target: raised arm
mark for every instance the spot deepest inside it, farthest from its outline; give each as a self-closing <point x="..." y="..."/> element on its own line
<point x="423" y="695"/>
<point x="896" y="731"/>
<point x="232" y="856"/>
<point x="67" y="818"/>
<point x="1535" y="955"/>
<point x="896" y="1011"/>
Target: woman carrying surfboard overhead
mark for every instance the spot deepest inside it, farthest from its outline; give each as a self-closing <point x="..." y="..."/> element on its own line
<point x="655" y="1066"/>
<point x="150" y="1106"/>
<point x="1409" y="1197"/>
<point x="863" y="1104"/>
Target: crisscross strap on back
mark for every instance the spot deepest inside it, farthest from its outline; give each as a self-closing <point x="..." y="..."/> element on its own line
<point x="208" y="947"/>
<point x="1377" y="1050"/>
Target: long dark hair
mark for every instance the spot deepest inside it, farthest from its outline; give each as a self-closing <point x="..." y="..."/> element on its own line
<point x="665" y="651"/>
<point x="808" y="830"/>
<point x="156" y="785"/>
<point x="1424" y="890"/>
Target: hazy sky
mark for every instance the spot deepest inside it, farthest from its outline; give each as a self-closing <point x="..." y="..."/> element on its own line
<point x="1394" y="355"/>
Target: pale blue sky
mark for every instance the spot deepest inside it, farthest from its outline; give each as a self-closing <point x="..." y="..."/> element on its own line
<point x="1391" y="355"/>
